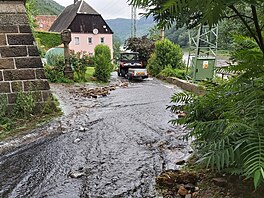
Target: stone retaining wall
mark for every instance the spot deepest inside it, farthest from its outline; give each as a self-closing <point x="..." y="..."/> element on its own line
<point x="185" y="85"/>
<point x="21" y="67"/>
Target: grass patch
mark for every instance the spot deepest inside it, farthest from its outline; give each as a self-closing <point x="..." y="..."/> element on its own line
<point x="89" y="73"/>
<point x="22" y="126"/>
<point x="25" y="116"/>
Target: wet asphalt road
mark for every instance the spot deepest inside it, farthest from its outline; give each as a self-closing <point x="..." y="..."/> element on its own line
<point x="126" y="143"/>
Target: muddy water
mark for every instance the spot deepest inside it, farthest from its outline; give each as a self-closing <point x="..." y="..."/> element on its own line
<point x="127" y="141"/>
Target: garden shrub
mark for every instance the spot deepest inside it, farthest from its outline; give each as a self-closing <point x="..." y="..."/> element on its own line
<point x="170" y="72"/>
<point x="79" y="63"/>
<point x="54" y="69"/>
<point x="104" y="50"/>
<point x="102" y="62"/>
<point x="165" y="53"/>
<point x="102" y="68"/>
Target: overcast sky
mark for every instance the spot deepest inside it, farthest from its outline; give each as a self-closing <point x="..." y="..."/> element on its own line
<point x="109" y="9"/>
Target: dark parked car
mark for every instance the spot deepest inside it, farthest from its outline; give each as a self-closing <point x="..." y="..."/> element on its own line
<point x="128" y="60"/>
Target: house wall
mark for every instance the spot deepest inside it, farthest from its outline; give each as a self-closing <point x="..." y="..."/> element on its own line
<point x="84" y="45"/>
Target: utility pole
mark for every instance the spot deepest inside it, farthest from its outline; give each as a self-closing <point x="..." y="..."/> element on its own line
<point x="133" y="22"/>
<point x="162" y="33"/>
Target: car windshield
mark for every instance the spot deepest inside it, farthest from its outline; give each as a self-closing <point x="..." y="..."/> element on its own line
<point x="129" y="57"/>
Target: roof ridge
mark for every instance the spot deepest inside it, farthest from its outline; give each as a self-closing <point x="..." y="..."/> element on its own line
<point x="87" y="10"/>
<point x="80" y="6"/>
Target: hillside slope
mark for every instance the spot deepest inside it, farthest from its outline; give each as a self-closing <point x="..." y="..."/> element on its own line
<point x="122" y="27"/>
<point x="48" y="7"/>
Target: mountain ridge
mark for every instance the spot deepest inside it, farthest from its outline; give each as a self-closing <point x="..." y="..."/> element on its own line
<point x="120" y="26"/>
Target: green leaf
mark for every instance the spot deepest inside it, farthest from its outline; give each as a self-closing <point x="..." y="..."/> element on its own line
<point x="257" y="178"/>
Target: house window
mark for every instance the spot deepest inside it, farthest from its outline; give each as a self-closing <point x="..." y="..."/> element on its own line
<point x="102" y="39"/>
<point x="77" y="40"/>
<point x="90" y="40"/>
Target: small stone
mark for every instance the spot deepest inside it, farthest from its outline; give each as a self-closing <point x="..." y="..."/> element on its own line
<point x="112" y="88"/>
<point x="195" y="194"/>
<point x="189" y="187"/>
<point x="188" y="196"/>
<point x="196" y="189"/>
<point x="181" y="162"/>
<point x="82" y="129"/>
<point x="76" y="174"/>
<point x="168" y="196"/>
<point x="125" y="84"/>
<point x="93" y="96"/>
<point x="77" y="140"/>
<point x="220" y="181"/>
<point x="182" y="191"/>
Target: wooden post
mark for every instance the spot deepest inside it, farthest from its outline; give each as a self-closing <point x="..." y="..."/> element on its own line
<point x="66" y="39"/>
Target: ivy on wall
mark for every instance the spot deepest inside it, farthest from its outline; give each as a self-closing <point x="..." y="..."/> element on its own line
<point x="48" y="40"/>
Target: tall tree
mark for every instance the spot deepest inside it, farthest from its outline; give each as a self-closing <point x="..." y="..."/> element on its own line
<point x="195" y="12"/>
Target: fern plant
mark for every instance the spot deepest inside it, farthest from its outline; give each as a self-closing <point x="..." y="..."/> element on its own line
<point x="228" y="121"/>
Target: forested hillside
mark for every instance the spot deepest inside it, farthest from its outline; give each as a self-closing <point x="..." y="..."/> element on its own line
<point x="122" y="27"/>
<point x="48" y="7"/>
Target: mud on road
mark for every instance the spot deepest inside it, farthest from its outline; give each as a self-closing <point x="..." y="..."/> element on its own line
<point x="107" y="147"/>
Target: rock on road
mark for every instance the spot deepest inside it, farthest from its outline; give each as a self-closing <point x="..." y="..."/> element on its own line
<point x="112" y="146"/>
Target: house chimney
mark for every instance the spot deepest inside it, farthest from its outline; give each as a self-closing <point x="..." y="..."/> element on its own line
<point x="75" y="1"/>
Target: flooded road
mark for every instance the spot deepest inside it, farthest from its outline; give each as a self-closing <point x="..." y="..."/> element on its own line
<point x="114" y="145"/>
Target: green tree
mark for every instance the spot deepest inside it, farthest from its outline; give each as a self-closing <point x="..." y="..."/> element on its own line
<point x="154" y="33"/>
<point x="144" y="46"/>
<point x="166" y="54"/>
<point x="192" y="13"/>
<point x="227" y="122"/>
<point x="116" y="48"/>
<point x="178" y="35"/>
<point x="102" y="62"/>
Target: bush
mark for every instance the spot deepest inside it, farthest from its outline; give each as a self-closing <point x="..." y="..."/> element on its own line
<point x="102" y="68"/>
<point x="227" y="123"/>
<point x="25" y="104"/>
<point x="79" y="63"/>
<point x="102" y="62"/>
<point x="170" y="72"/>
<point x="104" y="50"/>
<point x="54" y="69"/>
<point x="165" y="53"/>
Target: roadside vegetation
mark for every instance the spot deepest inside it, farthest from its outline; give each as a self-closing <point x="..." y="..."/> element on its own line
<point x="86" y="68"/>
<point x="226" y="122"/>
<point x="26" y="114"/>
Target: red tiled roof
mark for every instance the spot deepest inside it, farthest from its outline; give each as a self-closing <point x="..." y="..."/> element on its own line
<point x="44" y="22"/>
